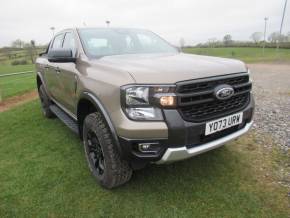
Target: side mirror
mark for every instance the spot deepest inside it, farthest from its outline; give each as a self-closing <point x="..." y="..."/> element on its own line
<point x="60" y="55"/>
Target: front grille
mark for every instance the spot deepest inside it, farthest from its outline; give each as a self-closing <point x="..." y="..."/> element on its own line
<point x="197" y="103"/>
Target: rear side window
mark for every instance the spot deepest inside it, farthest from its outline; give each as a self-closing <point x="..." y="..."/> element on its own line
<point x="69" y="42"/>
<point x="57" y="42"/>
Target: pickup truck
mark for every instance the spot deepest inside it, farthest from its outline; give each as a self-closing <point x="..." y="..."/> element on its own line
<point x="134" y="99"/>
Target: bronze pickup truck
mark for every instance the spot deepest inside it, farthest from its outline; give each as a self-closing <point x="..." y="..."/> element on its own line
<point x="134" y="99"/>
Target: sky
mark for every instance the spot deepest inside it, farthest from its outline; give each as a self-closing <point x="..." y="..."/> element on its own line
<point x="194" y="20"/>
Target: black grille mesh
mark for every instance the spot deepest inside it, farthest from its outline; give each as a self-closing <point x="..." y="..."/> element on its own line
<point x="205" y="85"/>
<point x="197" y="103"/>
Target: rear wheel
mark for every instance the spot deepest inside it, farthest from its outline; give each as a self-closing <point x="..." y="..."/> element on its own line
<point x="45" y="102"/>
<point x="102" y="155"/>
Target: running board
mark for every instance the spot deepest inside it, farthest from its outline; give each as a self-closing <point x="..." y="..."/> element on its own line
<point x="66" y="119"/>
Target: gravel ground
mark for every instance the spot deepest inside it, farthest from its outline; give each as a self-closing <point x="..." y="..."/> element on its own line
<point x="272" y="95"/>
<point x="271" y="87"/>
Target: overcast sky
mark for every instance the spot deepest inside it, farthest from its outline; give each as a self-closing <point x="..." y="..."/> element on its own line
<point x="194" y="20"/>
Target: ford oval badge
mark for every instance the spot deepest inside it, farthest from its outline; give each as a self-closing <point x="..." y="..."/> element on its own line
<point x="224" y="92"/>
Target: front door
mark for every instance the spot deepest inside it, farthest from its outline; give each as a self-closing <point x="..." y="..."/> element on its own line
<point x="52" y="70"/>
<point x="68" y="76"/>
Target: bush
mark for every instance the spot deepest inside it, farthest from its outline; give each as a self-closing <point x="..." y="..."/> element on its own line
<point x="19" y="62"/>
<point x="241" y="44"/>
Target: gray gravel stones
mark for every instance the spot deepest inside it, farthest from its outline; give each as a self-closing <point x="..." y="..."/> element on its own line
<point x="272" y="94"/>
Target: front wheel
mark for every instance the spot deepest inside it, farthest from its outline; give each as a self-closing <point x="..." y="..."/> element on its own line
<point x="102" y="155"/>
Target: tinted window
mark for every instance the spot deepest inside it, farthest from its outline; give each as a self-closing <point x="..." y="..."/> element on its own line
<point x="69" y="42"/>
<point x="103" y="42"/>
<point x="57" y="42"/>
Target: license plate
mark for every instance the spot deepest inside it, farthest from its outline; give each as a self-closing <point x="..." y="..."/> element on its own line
<point x="223" y="123"/>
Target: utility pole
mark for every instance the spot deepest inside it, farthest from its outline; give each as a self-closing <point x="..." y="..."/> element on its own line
<point x="265" y="32"/>
<point x="282" y="22"/>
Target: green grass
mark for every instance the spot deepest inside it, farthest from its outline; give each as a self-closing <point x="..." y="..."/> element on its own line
<point x="6" y="69"/>
<point x="17" y="85"/>
<point x="245" y="54"/>
<point x="43" y="173"/>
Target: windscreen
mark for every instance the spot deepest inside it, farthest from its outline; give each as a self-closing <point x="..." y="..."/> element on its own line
<point x="106" y="42"/>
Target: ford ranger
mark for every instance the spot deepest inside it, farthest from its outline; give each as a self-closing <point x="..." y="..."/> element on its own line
<point x="134" y="99"/>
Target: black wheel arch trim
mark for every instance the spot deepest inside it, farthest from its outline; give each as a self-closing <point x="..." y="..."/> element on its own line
<point x="100" y="107"/>
<point x="38" y="74"/>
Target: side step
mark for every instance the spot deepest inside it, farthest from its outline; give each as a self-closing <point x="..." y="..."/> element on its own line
<point x="66" y="119"/>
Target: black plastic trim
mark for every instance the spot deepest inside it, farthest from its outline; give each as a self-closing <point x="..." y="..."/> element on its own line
<point x="97" y="103"/>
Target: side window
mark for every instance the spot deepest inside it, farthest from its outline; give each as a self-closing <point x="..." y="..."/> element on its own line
<point x="69" y="42"/>
<point x="57" y="42"/>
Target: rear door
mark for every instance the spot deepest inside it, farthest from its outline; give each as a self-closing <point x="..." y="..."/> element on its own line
<point x="68" y="75"/>
<point x="52" y="70"/>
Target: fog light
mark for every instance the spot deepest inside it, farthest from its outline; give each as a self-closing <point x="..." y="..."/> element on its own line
<point x="168" y="101"/>
<point x="147" y="147"/>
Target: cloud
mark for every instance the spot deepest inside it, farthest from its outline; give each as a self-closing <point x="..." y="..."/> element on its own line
<point x="193" y="20"/>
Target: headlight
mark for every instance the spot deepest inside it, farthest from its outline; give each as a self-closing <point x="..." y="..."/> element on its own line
<point x="146" y="113"/>
<point x="137" y="96"/>
<point x="144" y="102"/>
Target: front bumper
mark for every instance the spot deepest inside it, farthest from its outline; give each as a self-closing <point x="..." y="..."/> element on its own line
<point x="185" y="139"/>
<point x="175" y="154"/>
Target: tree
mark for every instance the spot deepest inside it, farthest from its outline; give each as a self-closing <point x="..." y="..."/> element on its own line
<point x="256" y="37"/>
<point x="276" y="37"/>
<point x="181" y="42"/>
<point x="18" y="43"/>
<point x="32" y="42"/>
<point x="30" y="50"/>
<point x="212" y="42"/>
<point x="227" y="39"/>
<point x="283" y="38"/>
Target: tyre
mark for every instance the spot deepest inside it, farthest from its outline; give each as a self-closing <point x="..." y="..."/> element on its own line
<point x="45" y="102"/>
<point x="103" y="158"/>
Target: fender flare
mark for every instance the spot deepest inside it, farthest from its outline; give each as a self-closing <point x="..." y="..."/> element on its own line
<point x="38" y="74"/>
<point x="100" y="107"/>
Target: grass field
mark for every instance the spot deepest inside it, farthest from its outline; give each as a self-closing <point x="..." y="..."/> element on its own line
<point x="5" y="69"/>
<point x="246" y="54"/>
<point x="18" y="84"/>
<point x="44" y="174"/>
